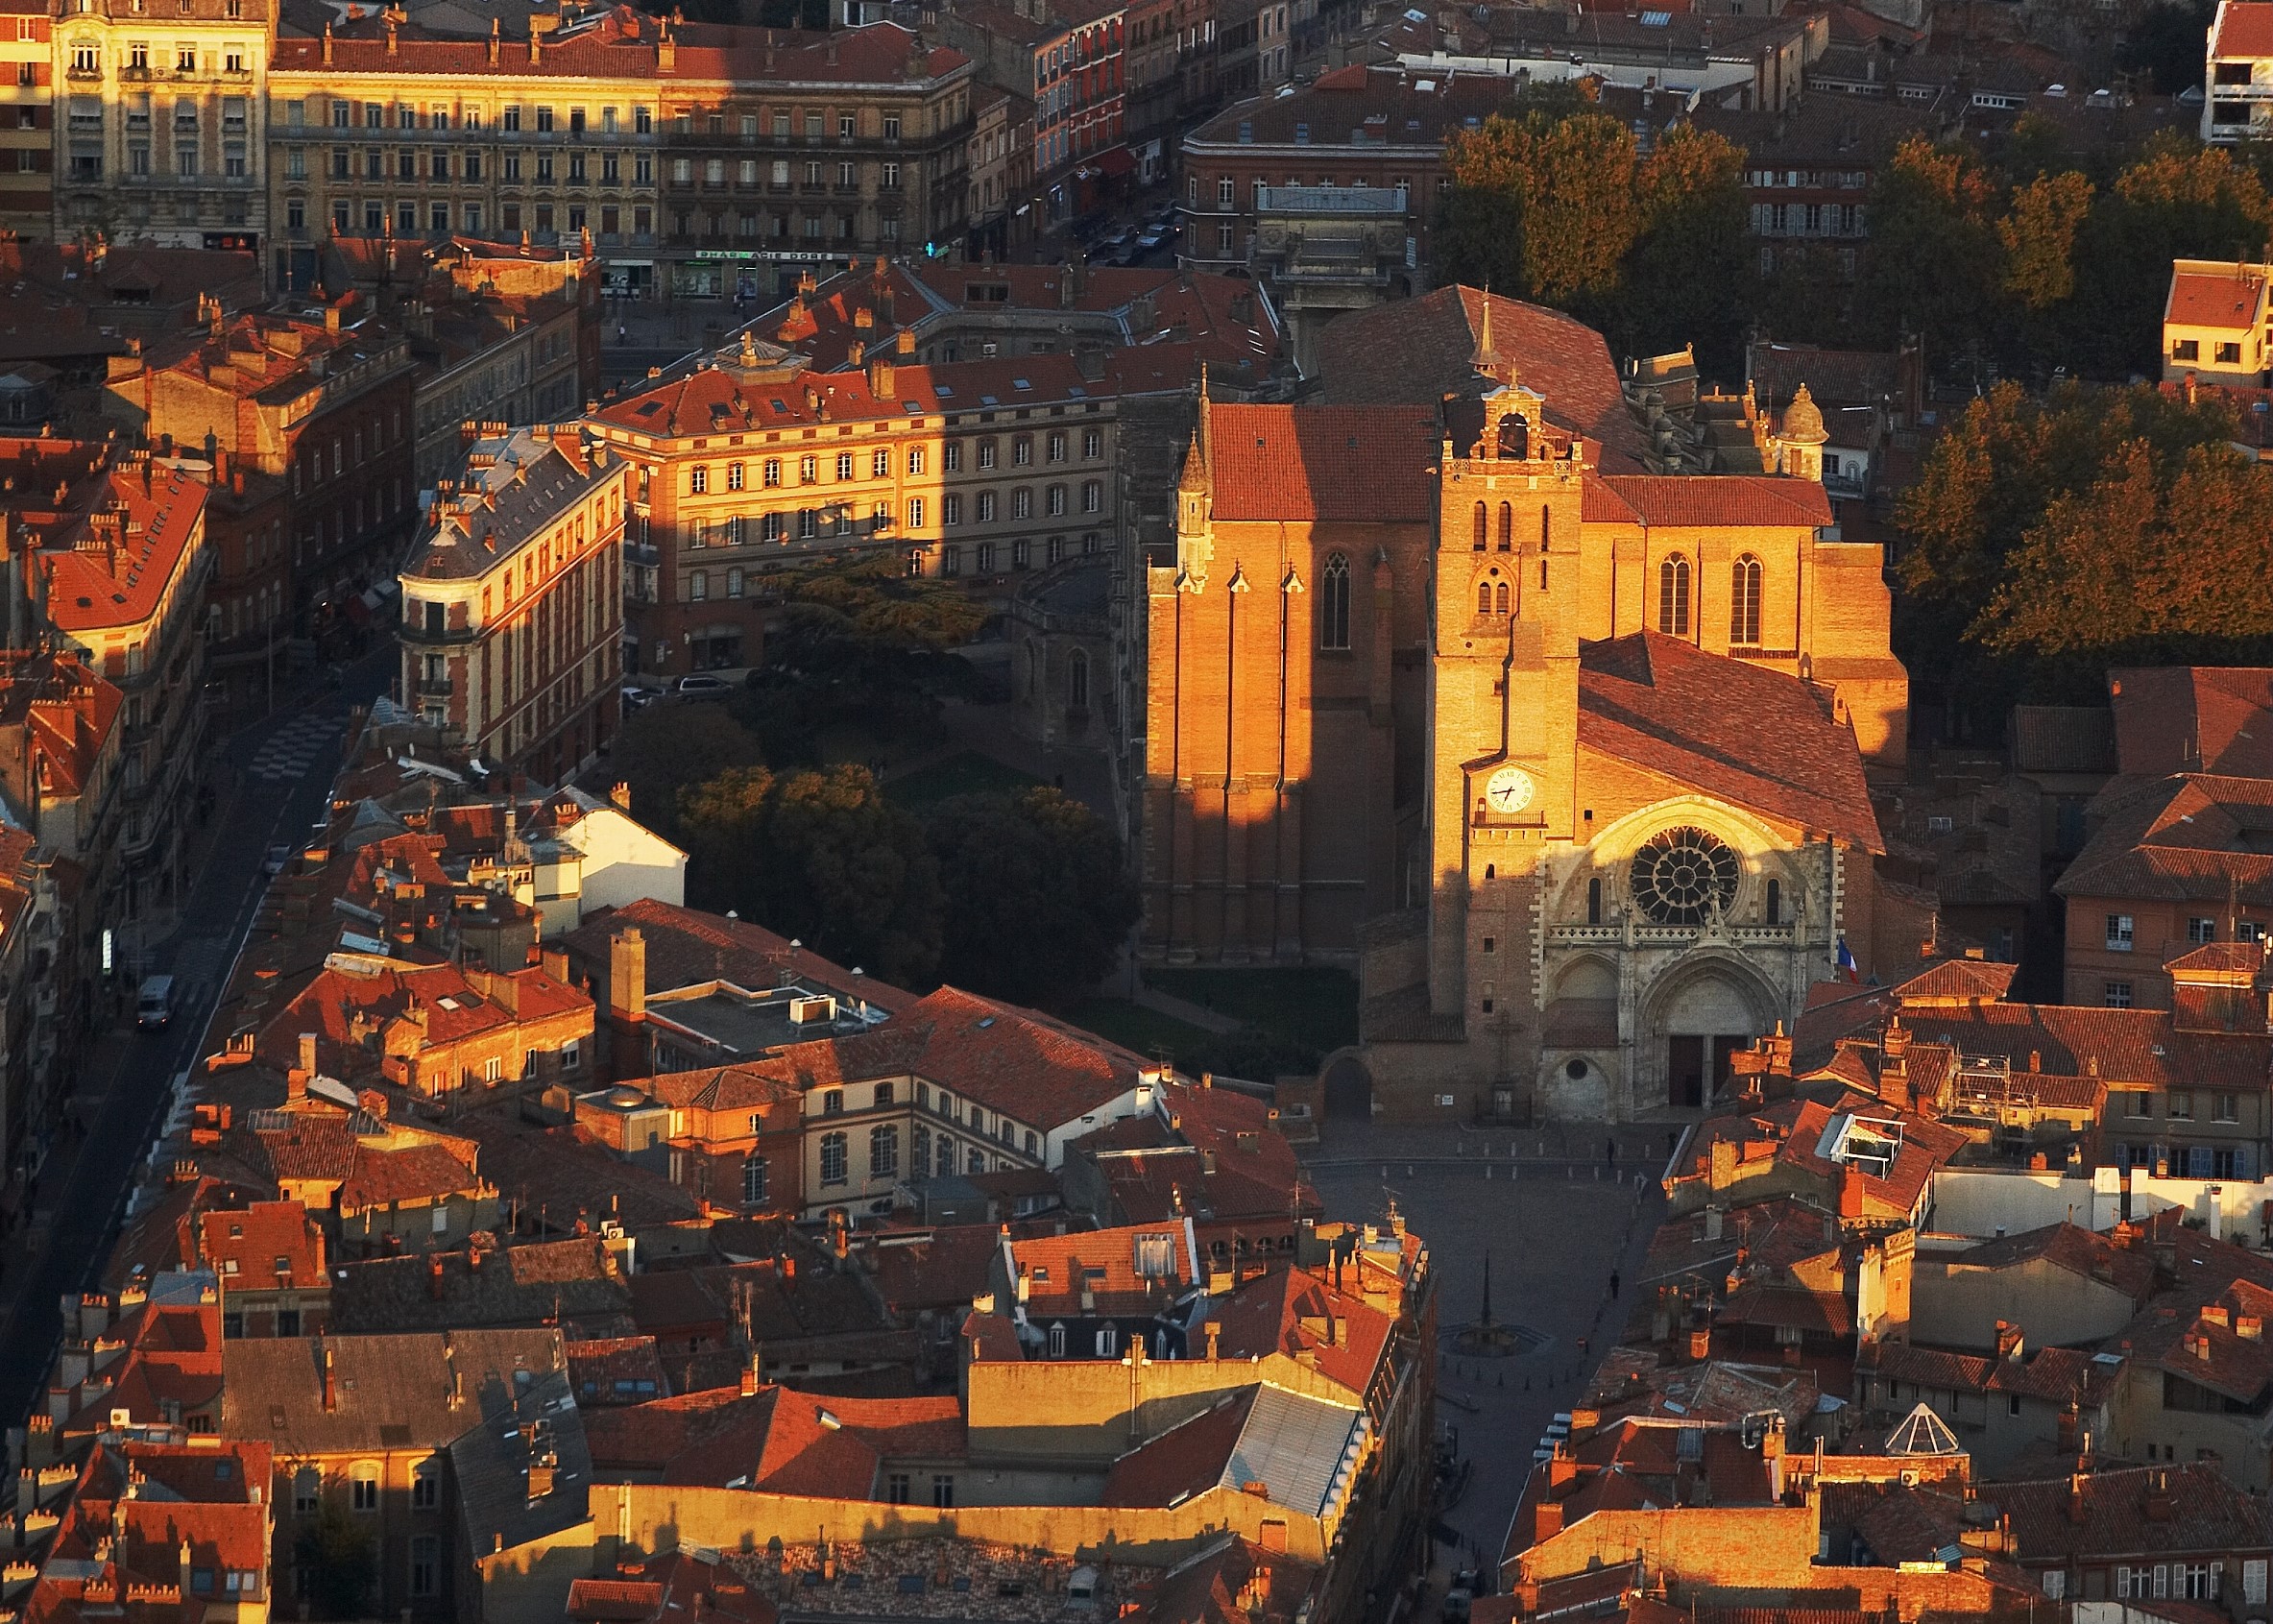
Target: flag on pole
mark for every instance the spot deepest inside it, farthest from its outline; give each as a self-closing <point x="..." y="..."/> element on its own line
<point x="1847" y="964"/>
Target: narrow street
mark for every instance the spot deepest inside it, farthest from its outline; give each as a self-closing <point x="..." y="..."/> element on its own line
<point x="270" y="782"/>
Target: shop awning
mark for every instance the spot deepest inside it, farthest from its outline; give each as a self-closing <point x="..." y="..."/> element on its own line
<point x="1115" y="163"/>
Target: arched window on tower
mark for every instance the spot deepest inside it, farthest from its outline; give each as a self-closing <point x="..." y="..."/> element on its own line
<point x="1546" y="529"/>
<point x="1078" y="680"/>
<point x="1672" y="597"/>
<point x="1776" y="901"/>
<point x="1501" y="597"/>
<point x="1594" y="902"/>
<point x="1744" y="601"/>
<point x="1333" y="603"/>
<point x="1483" y="597"/>
<point x="1506" y="527"/>
<point x="1482" y="521"/>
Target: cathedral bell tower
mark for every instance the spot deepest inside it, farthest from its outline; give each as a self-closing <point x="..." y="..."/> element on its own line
<point x="1503" y="699"/>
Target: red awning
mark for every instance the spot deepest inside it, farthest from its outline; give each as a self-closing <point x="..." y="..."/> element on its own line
<point x="1116" y="162"/>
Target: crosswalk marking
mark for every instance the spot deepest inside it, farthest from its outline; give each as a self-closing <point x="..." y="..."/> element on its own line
<point x="293" y="748"/>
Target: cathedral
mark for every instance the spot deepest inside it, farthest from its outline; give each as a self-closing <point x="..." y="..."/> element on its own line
<point x="1453" y="683"/>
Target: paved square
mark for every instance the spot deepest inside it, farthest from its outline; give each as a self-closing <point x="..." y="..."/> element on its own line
<point x="1554" y="1232"/>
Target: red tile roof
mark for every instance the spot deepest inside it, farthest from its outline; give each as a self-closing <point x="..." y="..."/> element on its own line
<point x="2132" y="1511"/>
<point x="1058" y="1269"/>
<point x="1412" y="351"/>
<point x="1720" y="501"/>
<point x="265" y="1246"/>
<point x="2227" y="301"/>
<point x="1752" y="737"/>
<point x="1290" y="1312"/>
<point x="111" y="556"/>
<point x="68" y="711"/>
<point x="1321" y="463"/>
<point x="2192" y="718"/>
<point x="685" y="947"/>
<point x="728" y="399"/>
<point x="1188" y="1459"/>
<point x="779" y="1438"/>
<point x="1018" y="1062"/>
<point x="2245" y="29"/>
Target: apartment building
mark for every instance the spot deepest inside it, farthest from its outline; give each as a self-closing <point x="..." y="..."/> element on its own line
<point x="2237" y="73"/>
<point x="698" y="159"/>
<point x="164" y="129"/>
<point x="513" y="608"/>
<point x="366" y="1425"/>
<point x="120" y="563"/>
<point x="35" y="1048"/>
<point x="999" y="174"/>
<point x="783" y="149"/>
<point x="1069" y="58"/>
<point x="320" y="405"/>
<point x="753" y="463"/>
<point x="27" y="118"/>
<point x="1358" y="126"/>
<point x="60" y="774"/>
<point x="382" y="127"/>
<point x="506" y="335"/>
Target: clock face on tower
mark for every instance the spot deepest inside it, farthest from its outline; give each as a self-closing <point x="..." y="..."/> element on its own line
<point x="1510" y="790"/>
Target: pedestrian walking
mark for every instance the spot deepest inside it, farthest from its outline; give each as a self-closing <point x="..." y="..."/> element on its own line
<point x="1613" y="1282"/>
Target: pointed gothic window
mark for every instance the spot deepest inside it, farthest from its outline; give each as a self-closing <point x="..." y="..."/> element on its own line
<point x="1744" y="601"/>
<point x="1506" y="527"/>
<point x="1483" y="597"/>
<point x="1672" y="597"/>
<point x="1501" y="596"/>
<point x="1333" y="603"/>
<point x="1481" y="524"/>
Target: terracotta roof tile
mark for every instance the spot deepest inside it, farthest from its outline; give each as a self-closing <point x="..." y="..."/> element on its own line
<point x="1412" y="351"/>
<point x="1327" y="462"/>
<point x="1748" y="736"/>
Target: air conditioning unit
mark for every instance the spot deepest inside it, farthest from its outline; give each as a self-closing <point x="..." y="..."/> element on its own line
<point x="806" y="1011"/>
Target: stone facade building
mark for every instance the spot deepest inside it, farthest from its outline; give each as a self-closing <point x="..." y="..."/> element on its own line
<point x="513" y="611"/>
<point x="164" y="134"/>
<point x="1442" y="693"/>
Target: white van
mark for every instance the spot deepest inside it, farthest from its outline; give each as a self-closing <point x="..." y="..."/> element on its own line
<point x="156" y="1005"/>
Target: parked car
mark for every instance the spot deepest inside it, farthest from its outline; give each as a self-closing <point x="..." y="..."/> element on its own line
<point x="701" y="684"/>
<point x="155" y="1006"/>
<point x="275" y="863"/>
<point x="1152" y="238"/>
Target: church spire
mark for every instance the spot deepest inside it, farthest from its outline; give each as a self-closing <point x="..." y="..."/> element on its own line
<point x="1196" y="475"/>
<point x="1485" y="360"/>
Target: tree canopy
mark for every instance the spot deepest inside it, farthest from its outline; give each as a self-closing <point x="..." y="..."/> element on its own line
<point x="2050" y="537"/>
<point x="1038" y="900"/>
<point x="821" y="857"/>
<point x="1550" y="201"/>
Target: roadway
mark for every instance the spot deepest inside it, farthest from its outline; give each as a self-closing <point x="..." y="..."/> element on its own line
<point x="272" y="785"/>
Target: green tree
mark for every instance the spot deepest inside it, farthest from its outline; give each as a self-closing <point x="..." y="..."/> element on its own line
<point x="1566" y="178"/>
<point x="339" y="1557"/>
<point x="1689" y="277"/>
<point x="2039" y="233"/>
<point x="821" y="857"/>
<point x="1996" y="561"/>
<point x="662" y="750"/>
<point x="2150" y="563"/>
<point x="2181" y="200"/>
<point x="1935" y="263"/>
<point x="1038" y="899"/>
<point x="865" y="640"/>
